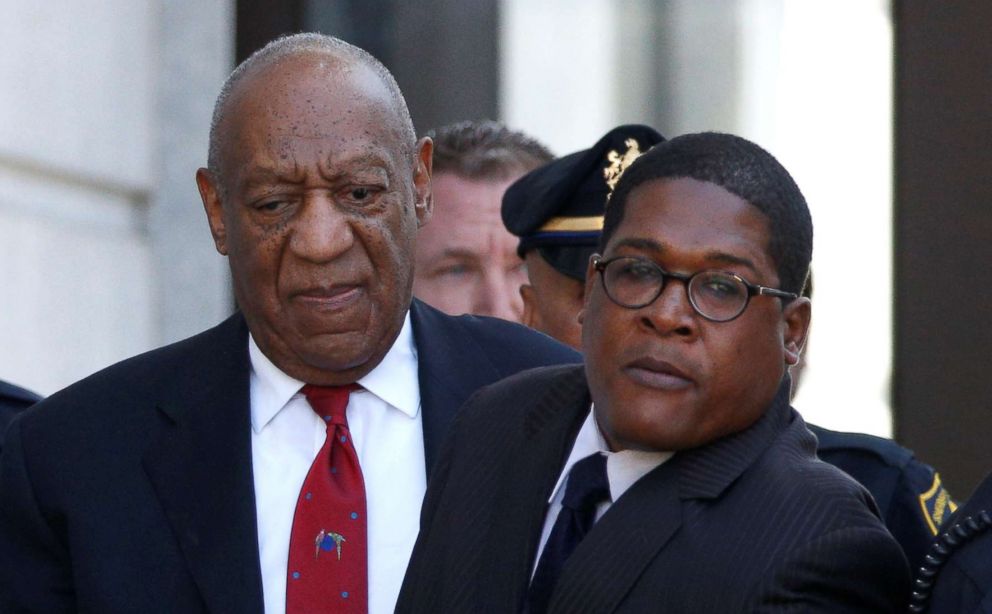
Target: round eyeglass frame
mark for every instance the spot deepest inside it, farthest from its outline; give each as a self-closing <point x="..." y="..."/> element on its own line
<point x="600" y="264"/>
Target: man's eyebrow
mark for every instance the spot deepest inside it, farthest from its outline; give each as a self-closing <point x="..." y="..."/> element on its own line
<point x="725" y="258"/>
<point x="640" y="243"/>
<point x="715" y="256"/>
<point x="330" y="164"/>
<point x="459" y="252"/>
<point x="262" y="175"/>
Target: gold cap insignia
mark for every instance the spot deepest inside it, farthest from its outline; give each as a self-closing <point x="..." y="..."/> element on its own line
<point x="618" y="163"/>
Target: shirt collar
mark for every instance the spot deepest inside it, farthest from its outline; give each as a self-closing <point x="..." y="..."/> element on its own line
<point x="394" y="380"/>
<point x="622" y="468"/>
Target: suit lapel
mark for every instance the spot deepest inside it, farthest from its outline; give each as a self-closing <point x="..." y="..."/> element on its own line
<point x="643" y="521"/>
<point x="548" y="434"/>
<point x="704" y="473"/>
<point x="451" y="367"/>
<point x="199" y="464"/>
<point x="607" y="563"/>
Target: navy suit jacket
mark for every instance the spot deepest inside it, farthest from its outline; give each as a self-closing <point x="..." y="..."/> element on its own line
<point x="132" y="490"/>
<point x="13" y="400"/>
<point x="911" y="499"/>
<point x="753" y="522"/>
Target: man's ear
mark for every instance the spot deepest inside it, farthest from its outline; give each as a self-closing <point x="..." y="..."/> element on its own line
<point x="424" y="205"/>
<point x="210" y="195"/>
<point x="531" y="317"/>
<point x="795" y="322"/>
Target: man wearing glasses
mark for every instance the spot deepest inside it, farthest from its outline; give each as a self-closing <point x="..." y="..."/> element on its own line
<point x="557" y="213"/>
<point x="670" y="472"/>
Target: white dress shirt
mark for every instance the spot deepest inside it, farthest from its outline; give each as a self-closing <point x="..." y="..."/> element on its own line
<point x="622" y="470"/>
<point x="386" y="427"/>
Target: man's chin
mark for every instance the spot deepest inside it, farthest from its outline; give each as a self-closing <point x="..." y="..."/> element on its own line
<point x="337" y="352"/>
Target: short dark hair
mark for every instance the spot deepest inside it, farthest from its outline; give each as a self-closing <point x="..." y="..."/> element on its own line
<point x="485" y="149"/>
<point x="742" y="168"/>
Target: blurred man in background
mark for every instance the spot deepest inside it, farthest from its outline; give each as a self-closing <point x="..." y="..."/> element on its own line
<point x="466" y="262"/>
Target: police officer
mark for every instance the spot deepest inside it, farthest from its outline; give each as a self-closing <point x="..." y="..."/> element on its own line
<point x="956" y="577"/>
<point x="556" y="211"/>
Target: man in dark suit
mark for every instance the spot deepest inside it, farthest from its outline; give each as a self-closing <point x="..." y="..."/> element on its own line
<point x="194" y="478"/>
<point x="690" y="485"/>
<point x="557" y="213"/>
<point x="13" y="400"/>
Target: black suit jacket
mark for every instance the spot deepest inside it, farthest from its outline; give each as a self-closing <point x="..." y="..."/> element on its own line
<point x="750" y="523"/>
<point x="132" y="490"/>
<point x="910" y="497"/>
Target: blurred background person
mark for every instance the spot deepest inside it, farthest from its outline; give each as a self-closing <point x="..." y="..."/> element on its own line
<point x="466" y="262"/>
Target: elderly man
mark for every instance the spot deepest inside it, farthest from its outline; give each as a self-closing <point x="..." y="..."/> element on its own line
<point x="466" y="262"/>
<point x="276" y="462"/>
<point x="557" y="212"/>
<point x="670" y="473"/>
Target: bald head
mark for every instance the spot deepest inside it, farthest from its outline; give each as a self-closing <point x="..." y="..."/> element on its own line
<point x="332" y="54"/>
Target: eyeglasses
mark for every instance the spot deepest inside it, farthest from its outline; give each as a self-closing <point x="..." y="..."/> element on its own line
<point x="718" y="296"/>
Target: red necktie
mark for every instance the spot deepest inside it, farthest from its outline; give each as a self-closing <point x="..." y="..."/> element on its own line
<point x="328" y="553"/>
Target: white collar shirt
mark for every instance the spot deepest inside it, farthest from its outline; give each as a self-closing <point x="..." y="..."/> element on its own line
<point x="387" y="430"/>
<point x="623" y="469"/>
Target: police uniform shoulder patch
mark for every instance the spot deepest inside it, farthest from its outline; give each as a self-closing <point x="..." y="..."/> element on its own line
<point x="936" y="504"/>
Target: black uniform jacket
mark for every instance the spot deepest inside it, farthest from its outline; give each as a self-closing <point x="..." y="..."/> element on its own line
<point x="956" y="577"/>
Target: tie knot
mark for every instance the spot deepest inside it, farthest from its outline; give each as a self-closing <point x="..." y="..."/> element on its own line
<point x="587" y="483"/>
<point x="330" y="402"/>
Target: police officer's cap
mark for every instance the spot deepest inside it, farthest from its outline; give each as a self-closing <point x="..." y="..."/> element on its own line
<point x="558" y="208"/>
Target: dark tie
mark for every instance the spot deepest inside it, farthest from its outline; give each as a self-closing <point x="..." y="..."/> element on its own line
<point x="587" y="486"/>
<point x="328" y="553"/>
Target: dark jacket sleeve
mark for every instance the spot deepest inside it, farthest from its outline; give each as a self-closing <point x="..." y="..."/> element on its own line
<point x="35" y="574"/>
<point x="912" y="501"/>
<point x="857" y="569"/>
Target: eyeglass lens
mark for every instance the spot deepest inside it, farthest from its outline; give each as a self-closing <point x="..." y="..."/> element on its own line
<point x="635" y="283"/>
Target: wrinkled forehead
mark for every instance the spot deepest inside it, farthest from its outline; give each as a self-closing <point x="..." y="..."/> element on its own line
<point x="315" y="95"/>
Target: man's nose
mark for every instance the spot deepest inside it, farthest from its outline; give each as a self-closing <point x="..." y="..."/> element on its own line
<point x="498" y="296"/>
<point x="321" y="232"/>
<point x="672" y="312"/>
